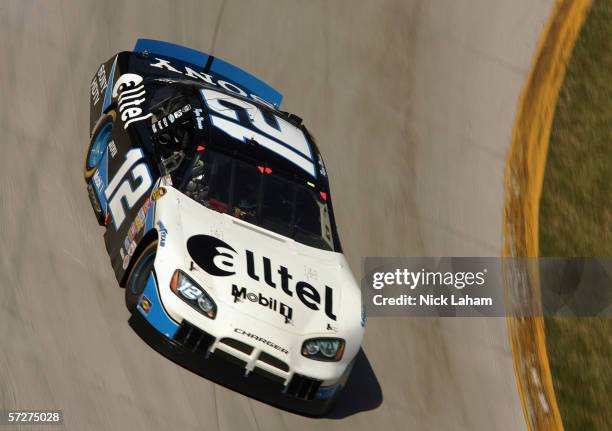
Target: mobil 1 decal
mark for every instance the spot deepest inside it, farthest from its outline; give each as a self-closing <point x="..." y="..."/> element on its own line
<point x="220" y="259"/>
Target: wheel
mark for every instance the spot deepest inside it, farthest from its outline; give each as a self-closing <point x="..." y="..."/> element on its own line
<point x="99" y="141"/>
<point x="137" y="280"/>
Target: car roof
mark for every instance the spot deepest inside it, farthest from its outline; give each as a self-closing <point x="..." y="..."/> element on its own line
<point x="284" y="142"/>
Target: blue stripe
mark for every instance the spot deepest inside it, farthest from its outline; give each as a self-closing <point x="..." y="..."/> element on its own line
<point x="109" y="87"/>
<point x="150" y="215"/>
<point x="157" y="316"/>
<point x="242" y="78"/>
<point x="171" y="50"/>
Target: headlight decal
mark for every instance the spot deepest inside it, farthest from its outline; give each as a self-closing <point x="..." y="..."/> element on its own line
<point x="190" y="292"/>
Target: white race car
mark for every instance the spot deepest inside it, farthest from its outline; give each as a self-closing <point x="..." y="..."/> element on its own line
<point x="219" y="223"/>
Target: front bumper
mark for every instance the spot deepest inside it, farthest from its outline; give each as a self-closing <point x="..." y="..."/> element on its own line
<point x="190" y="347"/>
<point x="220" y="368"/>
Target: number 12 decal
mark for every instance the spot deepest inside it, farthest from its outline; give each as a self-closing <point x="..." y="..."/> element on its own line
<point x="120" y="187"/>
<point x="280" y="136"/>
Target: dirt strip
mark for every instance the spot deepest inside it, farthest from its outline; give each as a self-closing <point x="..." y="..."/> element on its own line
<point x="523" y="184"/>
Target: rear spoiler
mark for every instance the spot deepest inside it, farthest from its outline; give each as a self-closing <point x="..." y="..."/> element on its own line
<point x="212" y="65"/>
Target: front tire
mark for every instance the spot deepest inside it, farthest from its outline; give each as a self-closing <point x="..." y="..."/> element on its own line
<point x="137" y="280"/>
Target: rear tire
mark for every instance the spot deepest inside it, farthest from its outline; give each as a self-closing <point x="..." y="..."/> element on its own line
<point x="137" y="280"/>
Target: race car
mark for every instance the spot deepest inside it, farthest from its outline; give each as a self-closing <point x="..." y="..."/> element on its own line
<point x="219" y="225"/>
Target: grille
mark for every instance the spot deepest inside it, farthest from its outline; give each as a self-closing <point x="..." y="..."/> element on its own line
<point x="303" y="387"/>
<point x="275" y="362"/>
<point x="238" y="345"/>
<point x="230" y="358"/>
<point x="268" y="375"/>
<point x="193" y="338"/>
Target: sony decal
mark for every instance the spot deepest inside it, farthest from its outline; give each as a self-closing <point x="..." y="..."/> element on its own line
<point x="218" y="258"/>
<point x="209" y="79"/>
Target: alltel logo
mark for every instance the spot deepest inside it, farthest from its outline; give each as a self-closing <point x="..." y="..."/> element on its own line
<point x="220" y="259"/>
<point x="130" y="94"/>
<point x="212" y="255"/>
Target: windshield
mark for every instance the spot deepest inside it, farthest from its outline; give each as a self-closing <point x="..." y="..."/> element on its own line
<point x="257" y="195"/>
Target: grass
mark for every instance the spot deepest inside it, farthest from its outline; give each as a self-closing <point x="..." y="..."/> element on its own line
<point x="576" y="220"/>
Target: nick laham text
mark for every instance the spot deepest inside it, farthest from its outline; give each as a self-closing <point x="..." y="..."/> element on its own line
<point x="421" y="300"/>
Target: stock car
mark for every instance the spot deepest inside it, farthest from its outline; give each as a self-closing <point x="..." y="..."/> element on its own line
<point x="219" y="225"/>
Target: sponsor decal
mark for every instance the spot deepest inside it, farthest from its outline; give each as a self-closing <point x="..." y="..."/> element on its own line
<point x="212" y="255"/>
<point x="130" y="94"/>
<point x="166" y="80"/>
<point x="141" y="217"/>
<point x="163" y="233"/>
<point x="126" y="243"/>
<point x="102" y="77"/>
<point x="98" y="86"/>
<point x="219" y="259"/>
<point x="131" y="248"/>
<point x="261" y="340"/>
<point x="242" y="294"/>
<point x="159" y="192"/>
<point x="97" y="180"/>
<point x="95" y="92"/>
<point x="199" y="118"/>
<point x="126" y="261"/>
<point x="322" y="169"/>
<point x="112" y="149"/>
<point x="145" y="304"/>
<point x="169" y="119"/>
<point x="208" y="79"/>
<point x="139" y="220"/>
<point x="129" y="242"/>
<point x="132" y="231"/>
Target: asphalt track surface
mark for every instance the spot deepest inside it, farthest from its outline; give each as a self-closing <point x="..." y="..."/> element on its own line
<point x="412" y="104"/>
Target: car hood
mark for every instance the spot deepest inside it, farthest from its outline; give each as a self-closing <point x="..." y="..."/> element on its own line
<point x="256" y="272"/>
